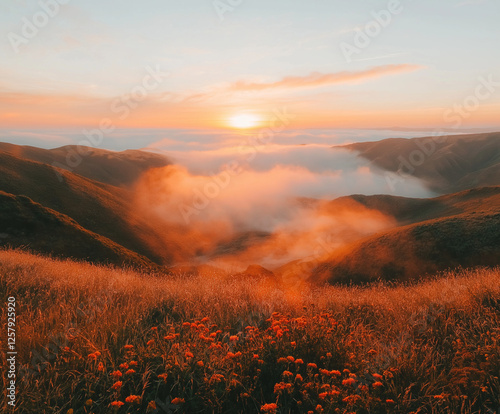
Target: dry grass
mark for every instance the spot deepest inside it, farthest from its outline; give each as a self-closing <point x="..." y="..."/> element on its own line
<point x="430" y="348"/>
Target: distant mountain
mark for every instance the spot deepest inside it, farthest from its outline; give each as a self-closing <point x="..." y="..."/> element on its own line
<point x="26" y="224"/>
<point x="109" y="167"/>
<point x="446" y="164"/>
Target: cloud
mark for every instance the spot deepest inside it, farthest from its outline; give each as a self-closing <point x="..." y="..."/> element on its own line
<point x="316" y="79"/>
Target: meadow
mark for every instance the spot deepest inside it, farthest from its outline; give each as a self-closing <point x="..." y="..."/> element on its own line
<point x="96" y="339"/>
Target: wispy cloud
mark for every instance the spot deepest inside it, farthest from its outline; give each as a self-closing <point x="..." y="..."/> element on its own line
<point x="316" y="79"/>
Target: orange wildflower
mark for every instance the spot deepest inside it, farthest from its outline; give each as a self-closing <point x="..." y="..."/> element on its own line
<point x="116" y="374"/>
<point x="117" y="404"/>
<point x="100" y="367"/>
<point x="349" y="381"/>
<point x="133" y="399"/>
<point x="130" y="372"/>
<point x="377" y="384"/>
<point x="269" y="408"/>
<point x="129" y="347"/>
<point x="117" y="385"/>
<point x="177" y="401"/>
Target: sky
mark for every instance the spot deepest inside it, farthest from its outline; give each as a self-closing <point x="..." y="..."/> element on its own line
<point x="208" y="70"/>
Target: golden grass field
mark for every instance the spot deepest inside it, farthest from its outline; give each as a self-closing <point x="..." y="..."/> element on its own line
<point x="101" y="340"/>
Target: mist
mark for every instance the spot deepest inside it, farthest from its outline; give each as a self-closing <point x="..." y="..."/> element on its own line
<point x="266" y="205"/>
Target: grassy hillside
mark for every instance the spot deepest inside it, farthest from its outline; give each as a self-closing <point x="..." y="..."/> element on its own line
<point x="452" y="164"/>
<point x="409" y="252"/>
<point x="90" y="337"/>
<point x="30" y="225"/>
<point x="109" y="167"/>
<point x="101" y="208"/>
<point x="413" y="210"/>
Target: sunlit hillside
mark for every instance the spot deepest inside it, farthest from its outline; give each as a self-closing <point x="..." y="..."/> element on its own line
<point x="101" y="340"/>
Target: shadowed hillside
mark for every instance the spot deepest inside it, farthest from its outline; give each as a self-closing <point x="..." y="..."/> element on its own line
<point x="466" y="240"/>
<point x="447" y="164"/>
<point x="109" y="167"/>
<point x="98" y="207"/>
<point x="30" y="225"/>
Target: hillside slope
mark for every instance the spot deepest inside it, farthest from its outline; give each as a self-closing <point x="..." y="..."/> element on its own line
<point x="408" y="252"/>
<point x="98" y="207"/>
<point x="27" y="224"/>
<point x="447" y="164"/>
<point x="109" y="167"/>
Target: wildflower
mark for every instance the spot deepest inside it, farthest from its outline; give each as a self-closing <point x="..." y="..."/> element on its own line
<point x="312" y="365"/>
<point x="70" y="411"/>
<point x="377" y="384"/>
<point x="200" y="363"/>
<point x="335" y="372"/>
<point x="66" y="349"/>
<point x="133" y="399"/>
<point x="117" y="404"/>
<point x="389" y="401"/>
<point x="186" y="325"/>
<point x="116" y="374"/>
<point x="233" y="338"/>
<point x="163" y="377"/>
<point x="269" y="408"/>
<point x="130" y="372"/>
<point x="100" y="367"/>
<point x="299" y="378"/>
<point x="150" y="342"/>
<point x="299" y="361"/>
<point x="372" y="352"/>
<point x="290" y="358"/>
<point x="293" y="343"/>
<point x="189" y="354"/>
<point x="152" y="406"/>
<point x="124" y="366"/>
<point x="282" y="360"/>
<point x="117" y="385"/>
<point x="255" y="356"/>
<point x="133" y="363"/>
<point x="169" y="337"/>
<point x="287" y="374"/>
<point x="349" y="381"/>
<point x="89" y="402"/>
<point x="319" y="408"/>
<point x="328" y="354"/>
<point x="177" y="401"/>
<point x="378" y="376"/>
<point x="93" y="356"/>
<point x="129" y="347"/>
<point x="351" y="399"/>
<point x="154" y="328"/>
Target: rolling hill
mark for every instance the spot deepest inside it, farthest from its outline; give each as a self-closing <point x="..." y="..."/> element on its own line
<point x="26" y="224"/>
<point x="446" y="164"/>
<point x="101" y="208"/>
<point x="120" y="169"/>
<point x="457" y="230"/>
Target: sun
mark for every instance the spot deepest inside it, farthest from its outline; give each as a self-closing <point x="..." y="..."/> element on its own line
<point x="244" y="121"/>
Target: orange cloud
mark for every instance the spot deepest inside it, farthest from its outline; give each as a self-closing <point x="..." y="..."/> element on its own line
<point x="316" y="79"/>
